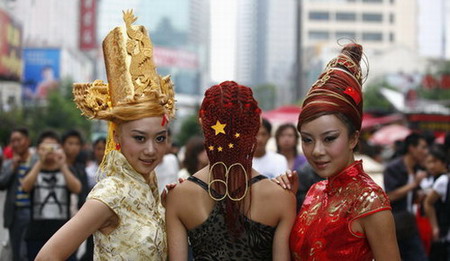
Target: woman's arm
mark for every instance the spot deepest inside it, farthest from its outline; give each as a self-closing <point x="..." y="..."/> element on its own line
<point x="432" y="197"/>
<point x="379" y="229"/>
<point x="176" y="232"/>
<point x="93" y="216"/>
<point x="287" y="210"/>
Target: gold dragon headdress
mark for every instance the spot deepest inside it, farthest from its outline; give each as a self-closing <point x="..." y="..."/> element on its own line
<point x="134" y="89"/>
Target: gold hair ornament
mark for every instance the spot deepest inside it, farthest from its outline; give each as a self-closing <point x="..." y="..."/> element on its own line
<point x="227" y="172"/>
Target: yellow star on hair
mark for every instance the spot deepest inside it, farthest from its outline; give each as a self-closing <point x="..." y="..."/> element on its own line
<point x="231" y="145"/>
<point x="237" y="135"/>
<point x="219" y="149"/>
<point x="219" y="127"/>
<point x="211" y="148"/>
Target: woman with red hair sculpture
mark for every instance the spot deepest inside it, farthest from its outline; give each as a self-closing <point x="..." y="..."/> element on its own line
<point x="227" y="209"/>
<point x="347" y="216"/>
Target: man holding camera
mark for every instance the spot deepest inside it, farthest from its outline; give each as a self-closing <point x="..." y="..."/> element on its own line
<point x="49" y="182"/>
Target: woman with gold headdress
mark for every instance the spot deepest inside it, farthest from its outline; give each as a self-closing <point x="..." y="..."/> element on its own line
<point x="123" y="210"/>
<point x="347" y="216"/>
<point x="227" y="209"/>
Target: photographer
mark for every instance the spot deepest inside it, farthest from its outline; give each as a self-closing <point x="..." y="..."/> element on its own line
<point x="49" y="183"/>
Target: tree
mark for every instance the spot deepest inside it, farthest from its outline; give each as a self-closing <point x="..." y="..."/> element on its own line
<point x="374" y="100"/>
<point x="189" y="128"/>
<point x="58" y="113"/>
<point x="266" y="96"/>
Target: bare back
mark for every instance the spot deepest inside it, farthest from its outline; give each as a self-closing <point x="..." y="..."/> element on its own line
<point x="269" y="209"/>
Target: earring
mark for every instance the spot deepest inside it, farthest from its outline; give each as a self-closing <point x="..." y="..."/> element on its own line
<point x="117" y="146"/>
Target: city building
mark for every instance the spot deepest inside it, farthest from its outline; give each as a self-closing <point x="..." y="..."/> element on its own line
<point x="434" y="28"/>
<point x="379" y="25"/>
<point x="266" y="45"/>
<point x="45" y="27"/>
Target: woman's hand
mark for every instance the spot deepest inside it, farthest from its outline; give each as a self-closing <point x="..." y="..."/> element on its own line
<point x="168" y="188"/>
<point x="435" y="233"/>
<point x="289" y="180"/>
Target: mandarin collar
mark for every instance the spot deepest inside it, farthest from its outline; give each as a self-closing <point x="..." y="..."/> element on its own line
<point x="335" y="182"/>
<point x="117" y="163"/>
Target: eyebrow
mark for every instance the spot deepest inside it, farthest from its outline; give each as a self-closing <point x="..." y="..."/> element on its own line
<point x="145" y="133"/>
<point x="322" y="134"/>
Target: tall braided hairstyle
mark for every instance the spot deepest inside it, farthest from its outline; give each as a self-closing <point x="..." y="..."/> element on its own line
<point x="337" y="91"/>
<point x="230" y="119"/>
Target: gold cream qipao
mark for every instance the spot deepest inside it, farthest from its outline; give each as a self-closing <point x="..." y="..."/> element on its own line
<point x="134" y="91"/>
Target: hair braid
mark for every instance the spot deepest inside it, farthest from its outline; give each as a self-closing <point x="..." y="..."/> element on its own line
<point x="233" y="105"/>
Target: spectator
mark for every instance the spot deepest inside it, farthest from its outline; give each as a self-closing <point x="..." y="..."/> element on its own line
<point x="72" y="142"/>
<point x="167" y="170"/>
<point x="266" y="162"/>
<point x="16" y="213"/>
<point x="287" y="138"/>
<point x="402" y="178"/>
<point x="195" y="157"/>
<point x="50" y="182"/>
<point x="437" y="204"/>
<point x="98" y="148"/>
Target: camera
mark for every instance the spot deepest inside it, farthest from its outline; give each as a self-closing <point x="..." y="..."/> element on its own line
<point x="51" y="147"/>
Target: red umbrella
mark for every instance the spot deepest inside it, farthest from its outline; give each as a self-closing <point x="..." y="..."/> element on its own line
<point x="389" y="134"/>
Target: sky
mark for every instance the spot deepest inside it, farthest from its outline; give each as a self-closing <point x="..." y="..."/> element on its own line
<point x="223" y="40"/>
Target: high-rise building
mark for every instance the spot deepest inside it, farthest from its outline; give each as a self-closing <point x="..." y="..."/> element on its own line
<point x="380" y="26"/>
<point x="377" y="24"/>
<point x="266" y="37"/>
<point x="434" y="28"/>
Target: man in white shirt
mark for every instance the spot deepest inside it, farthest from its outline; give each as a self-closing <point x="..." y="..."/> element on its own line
<point x="266" y="162"/>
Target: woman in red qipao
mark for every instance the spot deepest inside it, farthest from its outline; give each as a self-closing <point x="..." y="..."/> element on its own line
<point x="347" y="216"/>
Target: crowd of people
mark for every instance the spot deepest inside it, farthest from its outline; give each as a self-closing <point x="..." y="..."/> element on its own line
<point x="225" y="195"/>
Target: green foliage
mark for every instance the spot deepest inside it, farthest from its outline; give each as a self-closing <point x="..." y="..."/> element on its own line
<point x="374" y="100"/>
<point x="435" y="94"/>
<point x="189" y="128"/>
<point x="9" y="121"/>
<point x="443" y="67"/>
<point x="266" y="96"/>
<point x="59" y="113"/>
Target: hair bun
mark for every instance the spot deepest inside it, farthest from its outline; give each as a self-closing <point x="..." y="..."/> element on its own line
<point x="354" y="51"/>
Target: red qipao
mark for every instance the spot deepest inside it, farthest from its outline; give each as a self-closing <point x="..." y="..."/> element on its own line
<point x="322" y="230"/>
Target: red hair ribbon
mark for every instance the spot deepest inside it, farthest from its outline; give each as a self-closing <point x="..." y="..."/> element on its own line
<point x="164" y="120"/>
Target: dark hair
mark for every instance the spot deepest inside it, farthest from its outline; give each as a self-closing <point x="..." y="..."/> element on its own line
<point x="447" y="140"/>
<point x="429" y="137"/>
<point x="98" y="140"/>
<point x="72" y="133"/>
<point x="22" y="130"/>
<point x="48" y="134"/>
<point x="438" y="151"/>
<point x="267" y="125"/>
<point x="194" y="146"/>
<point x="412" y="139"/>
<point x="280" y="131"/>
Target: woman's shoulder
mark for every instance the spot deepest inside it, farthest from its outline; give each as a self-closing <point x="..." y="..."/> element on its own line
<point x="268" y="191"/>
